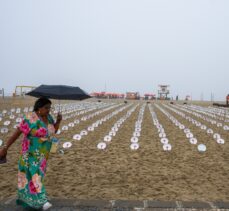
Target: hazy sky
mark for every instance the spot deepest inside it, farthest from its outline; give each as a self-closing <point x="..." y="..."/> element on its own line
<point x="117" y="45"/>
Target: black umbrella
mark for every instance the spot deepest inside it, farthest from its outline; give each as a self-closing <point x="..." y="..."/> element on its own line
<point x="60" y="92"/>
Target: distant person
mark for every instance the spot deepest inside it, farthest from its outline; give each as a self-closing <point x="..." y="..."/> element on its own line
<point x="38" y="128"/>
<point x="227" y="99"/>
<point x="177" y="98"/>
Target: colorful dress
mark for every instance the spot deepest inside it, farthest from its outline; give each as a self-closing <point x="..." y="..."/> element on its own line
<point x="36" y="145"/>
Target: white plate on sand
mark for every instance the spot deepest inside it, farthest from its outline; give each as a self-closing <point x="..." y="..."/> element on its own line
<point x="18" y="120"/>
<point x="65" y="127"/>
<point x="162" y="135"/>
<point x="189" y="135"/>
<point x="134" y="139"/>
<point x="112" y="133"/>
<point x="202" y="148"/>
<point x="6" y="123"/>
<point x="83" y="133"/>
<point x="107" y="138"/>
<point x="209" y="131"/>
<point x="167" y="147"/>
<point x="193" y="141"/>
<point x="77" y="137"/>
<point x="164" y="141"/>
<point x="71" y="124"/>
<point x="134" y="146"/>
<point x="90" y="129"/>
<point x="101" y="145"/>
<point x="186" y="130"/>
<point x="220" y="141"/>
<point x="67" y="145"/>
<point x="216" y="136"/>
<point x="4" y="130"/>
<point x="137" y="134"/>
<point x="203" y="127"/>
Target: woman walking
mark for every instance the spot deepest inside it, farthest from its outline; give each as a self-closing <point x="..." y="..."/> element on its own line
<point x="38" y="128"/>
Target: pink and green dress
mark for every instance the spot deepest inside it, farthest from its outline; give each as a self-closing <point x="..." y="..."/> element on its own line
<point x="36" y="145"/>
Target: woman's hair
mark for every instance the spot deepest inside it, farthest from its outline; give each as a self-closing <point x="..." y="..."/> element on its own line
<point x="40" y="103"/>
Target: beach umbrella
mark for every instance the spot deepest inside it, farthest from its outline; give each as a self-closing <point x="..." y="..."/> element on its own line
<point x="60" y="92"/>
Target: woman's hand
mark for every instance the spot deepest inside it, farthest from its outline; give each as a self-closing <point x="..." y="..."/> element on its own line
<point x="11" y="140"/>
<point x="59" y="117"/>
<point x="58" y="120"/>
<point x="3" y="152"/>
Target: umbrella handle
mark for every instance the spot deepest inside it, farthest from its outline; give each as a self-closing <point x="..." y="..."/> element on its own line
<point x="59" y="111"/>
<point x="59" y="117"/>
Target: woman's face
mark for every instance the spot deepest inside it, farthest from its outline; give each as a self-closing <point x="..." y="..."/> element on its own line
<point x="44" y="111"/>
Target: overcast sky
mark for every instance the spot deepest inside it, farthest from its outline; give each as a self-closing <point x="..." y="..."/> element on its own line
<point x="117" y="45"/>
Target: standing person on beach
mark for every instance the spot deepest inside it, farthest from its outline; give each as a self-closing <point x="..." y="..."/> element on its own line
<point x="38" y="128"/>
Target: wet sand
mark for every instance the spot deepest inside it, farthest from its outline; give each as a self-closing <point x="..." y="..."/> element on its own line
<point x="84" y="172"/>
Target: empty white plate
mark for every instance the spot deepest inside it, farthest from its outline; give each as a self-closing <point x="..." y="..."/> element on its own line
<point x="201" y="148"/>
<point x="67" y="145"/>
<point x="216" y="136"/>
<point x="77" y="137"/>
<point x="83" y="133"/>
<point x="209" y="131"/>
<point x="4" y="130"/>
<point x="164" y="141"/>
<point x="65" y="127"/>
<point x="167" y="147"/>
<point x="71" y="124"/>
<point x="90" y="128"/>
<point x="107" y="138"/>
<point x="137" y="134"/>
<point x="112" y="133"/>
<point x="134" y="139"/>
<point x="186" y="130"/>
<point x="101" y="145"/>
<point x="6" y="123"/>
<point x="189" y="135"/>
<point x="193" y="141"/>
<point x="220" y="141"/>
<point x="162" y="135"/>
<point x="134" y="146"/>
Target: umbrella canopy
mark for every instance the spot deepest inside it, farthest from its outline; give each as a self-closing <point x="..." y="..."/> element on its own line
<point x="60" y="92"/>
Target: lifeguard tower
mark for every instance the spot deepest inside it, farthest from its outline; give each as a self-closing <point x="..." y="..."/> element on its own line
<point x="163" y="92"/>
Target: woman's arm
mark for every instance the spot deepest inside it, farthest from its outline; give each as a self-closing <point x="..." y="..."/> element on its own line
<point x="10" y="141"/>
<point x="58" y="120"/>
